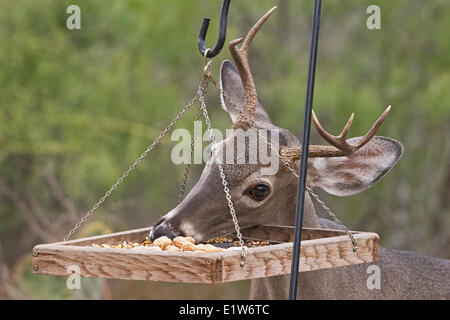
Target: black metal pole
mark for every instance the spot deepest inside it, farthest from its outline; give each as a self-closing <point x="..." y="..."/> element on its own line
<point x="304" y="155"/>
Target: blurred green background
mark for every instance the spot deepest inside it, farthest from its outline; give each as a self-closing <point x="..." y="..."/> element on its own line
<point x="77" y="107"/>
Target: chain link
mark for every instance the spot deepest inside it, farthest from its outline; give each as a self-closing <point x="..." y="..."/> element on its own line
<point x="188" y="165"/>
<point x="215" y="156"/>
<point x="328" y="210"/>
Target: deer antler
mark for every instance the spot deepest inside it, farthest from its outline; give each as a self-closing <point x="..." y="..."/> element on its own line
<point x="340" y="141"/>
<point x="340" y="147"/>
<point x="240" y="57"/>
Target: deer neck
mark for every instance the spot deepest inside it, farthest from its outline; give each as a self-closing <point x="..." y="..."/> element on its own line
<point x="287" y="217"/>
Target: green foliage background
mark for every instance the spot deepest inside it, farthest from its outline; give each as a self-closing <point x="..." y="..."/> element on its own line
<point x="77" y="107"/>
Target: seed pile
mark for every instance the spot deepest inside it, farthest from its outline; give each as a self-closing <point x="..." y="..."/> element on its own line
<point x="235" y="243"/>
<point x="182" y="244"/>
<point x="178" y="244"/>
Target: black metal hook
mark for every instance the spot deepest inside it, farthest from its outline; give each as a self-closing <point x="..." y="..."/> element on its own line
<point x="222" y="32"/>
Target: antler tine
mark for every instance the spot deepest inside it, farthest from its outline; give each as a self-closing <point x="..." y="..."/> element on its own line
<point x="339" y="147"/>
<point x="369" y="135"/>
<point x="240" y="56"/>
<point x="251" y="34"/>
<point x="340" y="141"/>
<point x="337" y="141"/>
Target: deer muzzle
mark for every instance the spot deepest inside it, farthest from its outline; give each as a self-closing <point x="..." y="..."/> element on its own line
<point x="162" y="229"/>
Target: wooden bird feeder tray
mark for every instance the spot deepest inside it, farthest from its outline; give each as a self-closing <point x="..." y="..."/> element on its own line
<point x="320" y="249"/>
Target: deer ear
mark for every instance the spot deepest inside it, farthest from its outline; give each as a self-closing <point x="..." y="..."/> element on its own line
<point x="344" y="176"/>
<point x="231" y="84"/>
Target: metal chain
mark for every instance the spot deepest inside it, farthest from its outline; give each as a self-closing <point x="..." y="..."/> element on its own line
<point x="188" y="165"/>
<point x="328" y="210"/>
<point x="285" y="163"/>
<point x="215" y="156"/>
<point x="132" y="167"/>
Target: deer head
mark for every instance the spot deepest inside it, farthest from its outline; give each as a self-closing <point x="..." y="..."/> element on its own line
<point x="344" y="168"/>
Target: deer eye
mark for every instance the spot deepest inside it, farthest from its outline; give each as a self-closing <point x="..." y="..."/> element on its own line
<point x="259" y="192"/>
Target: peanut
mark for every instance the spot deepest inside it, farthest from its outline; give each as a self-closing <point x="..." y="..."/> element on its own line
<point x="162" y="242"/>
<point x="180" y="241"/>
<point x="188" y="247"/>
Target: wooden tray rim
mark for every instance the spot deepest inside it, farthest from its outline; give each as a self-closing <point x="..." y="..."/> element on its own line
<point x="189" y="267"/>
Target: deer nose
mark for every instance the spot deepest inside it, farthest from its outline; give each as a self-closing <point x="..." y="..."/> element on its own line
<point x="161" y="230"/>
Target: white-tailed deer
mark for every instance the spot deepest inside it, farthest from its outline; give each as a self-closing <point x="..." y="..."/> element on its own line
<point x="344" y="168"/>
